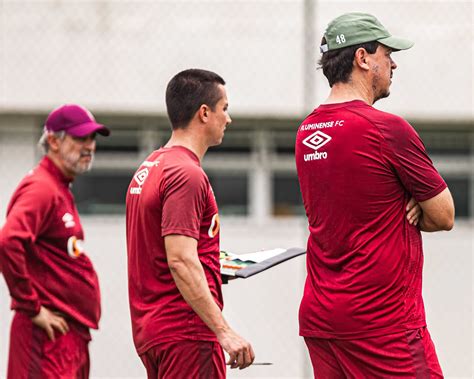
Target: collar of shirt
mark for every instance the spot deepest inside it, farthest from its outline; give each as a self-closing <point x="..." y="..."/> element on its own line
<point x="54" y="170"/>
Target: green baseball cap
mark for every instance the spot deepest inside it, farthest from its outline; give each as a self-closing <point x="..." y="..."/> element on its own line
<point x="355" y="28"/>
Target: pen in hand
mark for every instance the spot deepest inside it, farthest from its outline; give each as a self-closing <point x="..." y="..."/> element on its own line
<point x="257" y="364"/>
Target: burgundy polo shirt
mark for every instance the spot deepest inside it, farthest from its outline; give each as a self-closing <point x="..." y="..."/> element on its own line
<point x="42" y="252"/>
<point x="169" y="194"/>
<point x="358" y="167"/>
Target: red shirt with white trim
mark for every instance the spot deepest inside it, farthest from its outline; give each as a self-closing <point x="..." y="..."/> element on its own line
<point x="42" y="253"/>
<point x="358" y="167"/>
<point x="169" y="194"/>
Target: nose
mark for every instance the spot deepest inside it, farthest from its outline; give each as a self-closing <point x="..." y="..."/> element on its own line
<point x="393" y="65"/>
<point x="90" y="144"/>
<point x="229" y="120"/>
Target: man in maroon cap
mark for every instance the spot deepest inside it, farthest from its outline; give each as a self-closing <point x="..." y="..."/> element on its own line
<point x="54" y="287"/>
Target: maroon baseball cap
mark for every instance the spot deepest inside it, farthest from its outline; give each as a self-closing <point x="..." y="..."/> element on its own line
<point x="74" y="120"/>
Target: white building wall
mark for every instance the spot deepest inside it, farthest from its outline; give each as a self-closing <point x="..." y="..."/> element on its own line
<point x="119" y="55"/>
<point x="434" y="79"/>
<point x="17" y="155"/>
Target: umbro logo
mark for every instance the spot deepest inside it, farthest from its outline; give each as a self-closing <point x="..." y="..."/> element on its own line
<point x="316" y="140"/>
<point x="141" y="176"/>
<point x="68" y="220"/>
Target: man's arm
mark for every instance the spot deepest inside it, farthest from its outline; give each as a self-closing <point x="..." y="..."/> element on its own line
<point x="190" y="279"/>
<point x="438" y="212"/>
<point x="50" y="321"/>
<point x="17" y="237"/>
<point x="406" y="153"/>
<point x="414" y="212"/>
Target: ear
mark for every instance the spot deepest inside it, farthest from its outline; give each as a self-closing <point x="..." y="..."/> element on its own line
<point x="203" y="113"/>
<point x="53" y="142"/>
<point x="361" y="59"/>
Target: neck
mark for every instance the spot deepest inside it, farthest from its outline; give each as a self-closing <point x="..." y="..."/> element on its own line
<point x="59" y="164"/>
<point x="353" y="90"/>
<point x="189" y="140"/>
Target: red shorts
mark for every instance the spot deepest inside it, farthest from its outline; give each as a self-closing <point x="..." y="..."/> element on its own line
<point x="33" y="355"/>
<point x="409" y="354"/>
<point x="185" y="360"/>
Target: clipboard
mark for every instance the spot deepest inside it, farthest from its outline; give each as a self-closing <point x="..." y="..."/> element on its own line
<point x="246" y="265"/>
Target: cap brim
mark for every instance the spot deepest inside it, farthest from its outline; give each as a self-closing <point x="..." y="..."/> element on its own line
<point x="83" y="130"/>
<point x="396" y="43"/>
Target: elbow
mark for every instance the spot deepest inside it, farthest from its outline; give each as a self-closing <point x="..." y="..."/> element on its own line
<point x="449" y="220"/>
<point x="439" y="223"/>
<point x="448" y="224"/>
<point x="449" y="216"/>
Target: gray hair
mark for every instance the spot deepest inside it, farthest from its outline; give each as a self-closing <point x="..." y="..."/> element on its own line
<point x="43" y="144"/>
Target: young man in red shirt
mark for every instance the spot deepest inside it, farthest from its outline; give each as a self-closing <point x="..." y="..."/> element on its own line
<point x="173" y="242"/>
<point x="368" y="188"/>
<point x="54" y="287"/>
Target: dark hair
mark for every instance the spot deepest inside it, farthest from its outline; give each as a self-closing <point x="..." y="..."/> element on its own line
<point x="187" y="91"/>
<point x="337" y="64"/>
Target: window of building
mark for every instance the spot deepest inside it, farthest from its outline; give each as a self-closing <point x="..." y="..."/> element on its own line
<point x="284" y="143"/>
<point x="231" y="191"/>
<point x="234" y="142"/>
<point x="287" y="199"/>
<point x="254" y="162"/>
<point x="461" y="191"/>
<point x="447" y="142"/>
<point x="121" y="140"/>
<point x="101" y="192"/>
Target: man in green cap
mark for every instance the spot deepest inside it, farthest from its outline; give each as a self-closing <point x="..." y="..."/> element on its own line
<point x="369" y="189"/>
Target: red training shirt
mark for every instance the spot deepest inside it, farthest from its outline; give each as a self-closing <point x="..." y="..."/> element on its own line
<point x="41" y="250"/>
<point x="358" y="168"/>
<point x="169" y="194"/>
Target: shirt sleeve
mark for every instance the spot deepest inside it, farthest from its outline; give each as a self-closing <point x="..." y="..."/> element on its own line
<point x="184" y="199"/>
<point x="26" y="218"/>
<point x="406" y="153"/>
